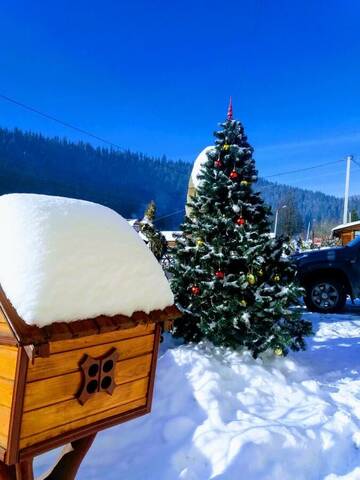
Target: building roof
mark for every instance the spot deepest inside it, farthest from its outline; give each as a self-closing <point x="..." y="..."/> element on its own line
<point x="346" y="225"/>
<point x="25" y="334"/>
<point x="70" y="268"/>
<point x="170" y="234"/>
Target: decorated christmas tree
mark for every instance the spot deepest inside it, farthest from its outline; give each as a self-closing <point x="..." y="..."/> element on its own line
<point x="234" y="282"/>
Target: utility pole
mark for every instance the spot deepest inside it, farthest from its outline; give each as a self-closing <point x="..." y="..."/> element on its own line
<point x="276" y="218"/>
<point x="347" y="185"/>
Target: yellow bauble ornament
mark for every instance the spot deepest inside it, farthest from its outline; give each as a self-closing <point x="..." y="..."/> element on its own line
<point x="278" y="351"/>
<point x="260" y="272"/>
<point x="243" y="303"/>
<point x="226" y="147"/>
<point x="276" y="278"/>
<point x="251" y="278"/>
<point x="200" y="242"/>
<point x="244" y="182"/>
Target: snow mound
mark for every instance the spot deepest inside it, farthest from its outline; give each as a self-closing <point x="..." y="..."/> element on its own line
<point x="198" y="164"/>
<point x="63" y="259"/>
<point x="219" y="414"/>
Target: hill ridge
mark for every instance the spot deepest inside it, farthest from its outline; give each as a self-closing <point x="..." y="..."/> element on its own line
<point x="126" y="181"/>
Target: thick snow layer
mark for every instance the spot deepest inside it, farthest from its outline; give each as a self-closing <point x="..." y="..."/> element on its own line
<point x="225" y="416"/>
<point x="170" y="234"/>
<point x="63" y="259"/>
<point x="199" y="162"/>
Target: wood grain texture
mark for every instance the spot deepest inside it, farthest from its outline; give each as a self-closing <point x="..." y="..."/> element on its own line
<point x="8" y="358"/>
<point x="67" y="362"/>
<point x="65" y="387"/>
<point x="56" y="419"/>
<point x="6" y="392"/>
<point x="12" y="452"/>
<point x="24" y="470"/>
<point x="6" y="335"/>
<point x="153" y="367"/>
<point x="108" y="337"/>
<point x="93" y="427"/>
<point x="4" y="425"/>
<point x="5" y="329"/>
<point x="51" y="409"/>
<point x="2" y="454"/>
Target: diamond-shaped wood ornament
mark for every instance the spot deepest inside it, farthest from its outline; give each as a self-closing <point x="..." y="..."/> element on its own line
<point x="98" y="375"/>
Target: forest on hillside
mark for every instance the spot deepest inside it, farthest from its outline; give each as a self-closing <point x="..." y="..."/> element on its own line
<point x="128" y="181"/>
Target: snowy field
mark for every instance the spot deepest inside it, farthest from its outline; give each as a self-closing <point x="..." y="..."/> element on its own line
<point x="224" y="416"/>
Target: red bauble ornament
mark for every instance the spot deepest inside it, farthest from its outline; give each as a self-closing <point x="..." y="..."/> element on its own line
<point x="240" y="221"/>
<point x="218" y="163"/>
<point x="195" y="290"/>
<point x="219" y="274"/>
<point x="234" y="175"/>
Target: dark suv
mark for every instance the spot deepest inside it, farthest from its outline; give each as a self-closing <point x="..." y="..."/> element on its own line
<point x="329" y="275"/>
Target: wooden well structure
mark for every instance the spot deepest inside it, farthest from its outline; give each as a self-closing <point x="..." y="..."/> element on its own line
<point x="62" y="383"/>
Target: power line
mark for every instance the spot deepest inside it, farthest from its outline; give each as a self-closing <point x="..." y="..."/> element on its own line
<point x="118" y="147"/>
<point x="298" y="180"/>
<point x="170" y="215"/>
<point x="303" y="169"/>
<point x="115" y="145"/>
<point x="61" y="122"/>
<point x="358" y="164"/>
<point x="271" y="186"/>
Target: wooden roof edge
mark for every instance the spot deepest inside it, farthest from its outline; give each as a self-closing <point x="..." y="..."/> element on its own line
<point x="33" y="335"/>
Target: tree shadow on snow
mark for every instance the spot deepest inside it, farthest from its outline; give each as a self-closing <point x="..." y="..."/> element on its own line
<point x="156" y="446"/>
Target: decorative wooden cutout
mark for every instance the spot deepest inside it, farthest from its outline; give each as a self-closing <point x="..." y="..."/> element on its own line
<point x="98" y="375"/>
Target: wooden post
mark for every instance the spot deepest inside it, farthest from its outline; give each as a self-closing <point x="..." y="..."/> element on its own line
<point x="69" y="460"/>
<point x="65" y="468"/>
<point x="7" y="472"/>
<point x="24" y="470"/>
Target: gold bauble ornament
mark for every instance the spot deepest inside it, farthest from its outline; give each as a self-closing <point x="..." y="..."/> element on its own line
<point x="276" y="278"/>
<point x="243" y="303"/>
<point x="279" y="352"/>
<point x="260" y="272"/>
<point x="199" y="242"/>
<point x="226" y="147"/>
<point x="245" y="183"/>
<point x="251" y="278"/>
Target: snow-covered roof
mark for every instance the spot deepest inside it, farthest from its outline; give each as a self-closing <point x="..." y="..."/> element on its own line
<point x="169" y="234"/>
<point x="345" y="225"/>
<point x="63" y="259"/>
<point x="199" y="162"/>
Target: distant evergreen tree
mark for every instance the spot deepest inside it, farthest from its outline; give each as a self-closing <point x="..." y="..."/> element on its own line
<point x="231" y="279"/>
<point x="154" y="238"/>
<point x="150" y="212"/>
<point x="30" y="162"/>
<point x="290" y="221"/>
<point x="354" y="215"/>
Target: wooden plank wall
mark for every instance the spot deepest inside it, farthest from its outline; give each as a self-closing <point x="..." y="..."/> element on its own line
<point x="50" y="405"/>
<point x="346" y="237"/>
<point x="5" y="330"/>
<point x="8" y="358"/>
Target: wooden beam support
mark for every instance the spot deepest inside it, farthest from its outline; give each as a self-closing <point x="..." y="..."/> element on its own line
<point x="70" y="460"/>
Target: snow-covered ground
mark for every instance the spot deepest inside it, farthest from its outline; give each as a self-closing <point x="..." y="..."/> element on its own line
<point x="222" y="415"/>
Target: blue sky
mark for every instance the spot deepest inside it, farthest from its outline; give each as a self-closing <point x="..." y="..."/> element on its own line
<point x="156" y="76"/>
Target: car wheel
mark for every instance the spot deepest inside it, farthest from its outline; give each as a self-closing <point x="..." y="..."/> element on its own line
<point x="325" y="296"/>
